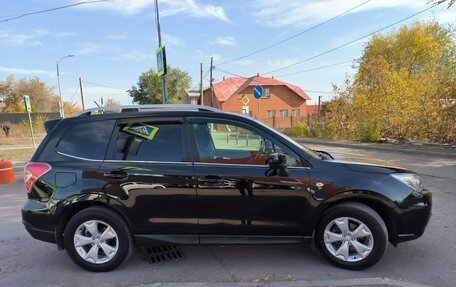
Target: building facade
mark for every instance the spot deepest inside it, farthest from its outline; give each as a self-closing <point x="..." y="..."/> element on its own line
<point x="281" y="105"/>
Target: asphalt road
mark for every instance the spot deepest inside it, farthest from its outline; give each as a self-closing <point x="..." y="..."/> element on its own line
<point x="430" y="260"/>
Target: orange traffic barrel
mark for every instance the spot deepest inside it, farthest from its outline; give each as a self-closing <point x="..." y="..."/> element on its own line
<point x="6" y="172"/>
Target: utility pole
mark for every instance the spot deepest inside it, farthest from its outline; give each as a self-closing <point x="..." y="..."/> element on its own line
<point x="211" y="80"/>
<point x="82" y="94"/>
<point x="201" y="85"/>
<point x="164" y="91"/>
<point x="319" y="108"/>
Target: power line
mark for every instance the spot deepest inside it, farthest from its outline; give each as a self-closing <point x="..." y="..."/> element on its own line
<point x="351" y="42"/>
<point x="50" y="10"/>
<point x="101" y="85"/>
<point x="229" y="73"/>
<point x="295" y="35"/>
<point x="74" y="94"/>
<point x="318" y="92"/>
<point x="314" y="69"/>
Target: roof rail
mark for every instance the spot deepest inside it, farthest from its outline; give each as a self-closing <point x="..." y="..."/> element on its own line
<point x="147" y="108"/>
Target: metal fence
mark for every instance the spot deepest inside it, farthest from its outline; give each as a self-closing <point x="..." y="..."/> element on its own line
<point x="19" y="118"/>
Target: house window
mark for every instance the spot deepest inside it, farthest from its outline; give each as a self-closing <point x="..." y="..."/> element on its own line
<point x="266" y="93"/>
<point x="283" y="113"/>
<point x="296" y="112"/>
<point x="271" y="114"/>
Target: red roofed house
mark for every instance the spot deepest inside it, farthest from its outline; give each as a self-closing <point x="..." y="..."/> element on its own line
<point x="312" y="109"/>
<point x="281" y="104"/>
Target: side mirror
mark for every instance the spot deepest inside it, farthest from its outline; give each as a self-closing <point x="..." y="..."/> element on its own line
<point x="277" y="165"/>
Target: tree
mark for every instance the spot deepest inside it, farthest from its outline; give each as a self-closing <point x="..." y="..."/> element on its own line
<point x="112" y="102"/>
<point x="148" y="90"/>
<point x="42" y="97"/>
<point x="405" y="86"/>
<point x="71" y="108"/>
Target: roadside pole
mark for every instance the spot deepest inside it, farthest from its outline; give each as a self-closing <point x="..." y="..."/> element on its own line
<point x="319" y="108"/>
<point x="211" y="85"/>
<point x="82" y="94"/>
<point x="259" y="108"/>
<point x="161" y="56"/>
<point x="28" y="108"/>
<point x="201" y="85"/>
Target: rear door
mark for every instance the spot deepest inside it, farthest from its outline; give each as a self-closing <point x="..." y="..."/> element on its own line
<point x="149" y="169"/>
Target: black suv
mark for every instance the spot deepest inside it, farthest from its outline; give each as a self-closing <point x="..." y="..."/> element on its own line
<point x="110" y="178"/>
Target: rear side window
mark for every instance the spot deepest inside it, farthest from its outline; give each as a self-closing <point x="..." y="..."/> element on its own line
<point x="149" y="141"/>
<point x="87" y="140"/>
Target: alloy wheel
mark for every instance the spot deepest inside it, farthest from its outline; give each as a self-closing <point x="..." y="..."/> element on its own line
<point x="348" y="239"/>
<point x="96" y="241"/>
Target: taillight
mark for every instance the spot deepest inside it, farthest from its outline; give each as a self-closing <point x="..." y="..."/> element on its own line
<point x="33" y="171"/>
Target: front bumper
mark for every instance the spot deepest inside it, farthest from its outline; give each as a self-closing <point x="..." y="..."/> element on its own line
<point x="38" y="221"/>
<point x="414" y="217"/>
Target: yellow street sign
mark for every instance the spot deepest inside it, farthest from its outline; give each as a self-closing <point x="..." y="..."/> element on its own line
<point x="245" y="100"/>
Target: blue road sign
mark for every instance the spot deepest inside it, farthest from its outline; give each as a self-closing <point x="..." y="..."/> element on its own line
<point x="258" y="92"/>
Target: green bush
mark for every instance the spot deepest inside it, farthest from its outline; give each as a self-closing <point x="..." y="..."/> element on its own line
<point x="370" y="133"/>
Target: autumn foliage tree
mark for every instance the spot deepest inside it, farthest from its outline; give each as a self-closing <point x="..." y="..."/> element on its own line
<point x="42" y="97"/>
<point x="149" y="87"/>
<point x="405" y="88"/>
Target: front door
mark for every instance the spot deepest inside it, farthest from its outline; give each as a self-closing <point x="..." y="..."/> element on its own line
<point x="236" y="199"/>
<point x="148" y="169"/>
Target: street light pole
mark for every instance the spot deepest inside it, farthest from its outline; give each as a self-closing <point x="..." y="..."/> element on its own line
<point x="157" y="18"/>
<point x="62" y="112"/>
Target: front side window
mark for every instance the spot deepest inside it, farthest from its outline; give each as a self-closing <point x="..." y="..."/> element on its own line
<point x="149" y="141"/>
<point x="296" y="113"/>
<point x="87" y="140"/>
<point x="230" y="143"/>
<point x="271" y="114"/>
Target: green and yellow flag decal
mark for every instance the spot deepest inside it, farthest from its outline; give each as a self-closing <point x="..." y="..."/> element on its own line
<point x="141" y="130"/>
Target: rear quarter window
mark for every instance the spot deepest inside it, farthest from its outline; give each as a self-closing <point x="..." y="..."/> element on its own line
<point x="87" y="140"/>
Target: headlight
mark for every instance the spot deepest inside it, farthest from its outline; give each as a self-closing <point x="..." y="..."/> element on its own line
<point x="410" y="179"/>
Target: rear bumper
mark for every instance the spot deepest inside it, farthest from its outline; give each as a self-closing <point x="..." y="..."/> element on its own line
<point x="38" y="221"/>
<point x="413" y="220"/>
<point x="40" y="234"/>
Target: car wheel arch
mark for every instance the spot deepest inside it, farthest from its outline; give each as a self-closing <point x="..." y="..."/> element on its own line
<point x="70" y="210"/>
<point x="379" y="204"/>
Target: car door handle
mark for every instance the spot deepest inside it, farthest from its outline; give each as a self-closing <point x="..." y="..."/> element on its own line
<point x="116" y="174"/>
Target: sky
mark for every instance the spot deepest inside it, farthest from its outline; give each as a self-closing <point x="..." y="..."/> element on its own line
<point x="113" y="42"/>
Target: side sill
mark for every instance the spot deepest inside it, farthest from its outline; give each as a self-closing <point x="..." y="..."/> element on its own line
<point x="146" y="239"/>
<point x="251" y="239"/>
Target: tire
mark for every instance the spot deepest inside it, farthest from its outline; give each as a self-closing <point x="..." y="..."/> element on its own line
<point x="333" y="243"/>
<point x="101" y="255"/>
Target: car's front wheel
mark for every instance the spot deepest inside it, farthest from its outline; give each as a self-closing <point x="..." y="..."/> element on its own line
<point x="352" y="235"/>
<point x="98" y="239"/>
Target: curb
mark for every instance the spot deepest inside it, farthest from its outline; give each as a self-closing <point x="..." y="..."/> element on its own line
<point x="380" y="147"/>
<point x="333" y="283"/>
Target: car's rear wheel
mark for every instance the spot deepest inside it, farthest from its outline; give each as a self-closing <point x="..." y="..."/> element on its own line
<point x="352" y="235"/>
<point x="98" y="239"/>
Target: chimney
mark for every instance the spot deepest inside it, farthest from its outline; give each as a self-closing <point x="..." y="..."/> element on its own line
<point x="258" y="74"/>
<point x="224" y="78"/>
<point x="272" y="77"/>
